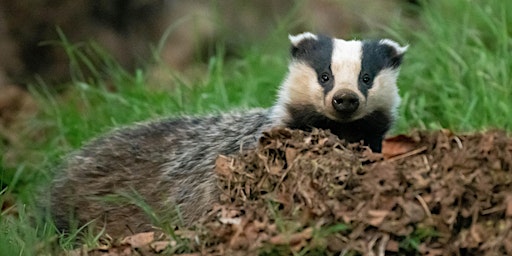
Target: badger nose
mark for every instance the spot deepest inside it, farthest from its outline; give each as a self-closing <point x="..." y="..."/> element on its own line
<point x="345" y="101"/>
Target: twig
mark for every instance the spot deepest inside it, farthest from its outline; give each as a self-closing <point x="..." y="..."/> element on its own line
<point x="424" y="205"/>
<point x="407" y="154"/>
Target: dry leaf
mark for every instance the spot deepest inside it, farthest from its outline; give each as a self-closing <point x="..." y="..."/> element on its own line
<point x="376" y="217"/>
<point x="508" y="207"/>
<point x="160" y="246"/>
<point x="331" y="186"/>
<point x="139" y="240"/>
<point x="291" y="239"/>
<point x="398" y="145"/>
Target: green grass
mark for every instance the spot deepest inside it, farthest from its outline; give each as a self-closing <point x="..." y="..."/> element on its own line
<point x="456" y="75"/>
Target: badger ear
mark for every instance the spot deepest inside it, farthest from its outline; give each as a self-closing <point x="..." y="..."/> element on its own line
<point x="303" y="44"/>
<point x="397" y="52"/>
<point x="297" y="39"/>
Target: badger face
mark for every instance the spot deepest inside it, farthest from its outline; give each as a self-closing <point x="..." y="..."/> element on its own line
<point x="342" y="80"/>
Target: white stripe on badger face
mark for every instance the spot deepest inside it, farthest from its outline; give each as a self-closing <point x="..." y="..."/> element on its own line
<point x="345" y="67"/>
<point x="346" y="62"/>
<point x="300" y="86"/>
<point x="384" y="93"/>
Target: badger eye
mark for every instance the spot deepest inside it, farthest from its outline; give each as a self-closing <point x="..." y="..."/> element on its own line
<point x="366" y="78"/>
<point x="324" y="77"/>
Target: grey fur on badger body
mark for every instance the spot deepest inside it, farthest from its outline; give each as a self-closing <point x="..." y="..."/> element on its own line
<point x="348" y="87"/>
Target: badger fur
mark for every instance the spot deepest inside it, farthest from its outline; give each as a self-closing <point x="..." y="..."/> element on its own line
<point x="166" y="166"/>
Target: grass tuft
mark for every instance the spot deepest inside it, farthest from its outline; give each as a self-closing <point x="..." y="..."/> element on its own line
<point x="457" y="71"/>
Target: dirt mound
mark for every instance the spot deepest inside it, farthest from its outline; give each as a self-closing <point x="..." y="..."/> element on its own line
<point x="428" y="193"/>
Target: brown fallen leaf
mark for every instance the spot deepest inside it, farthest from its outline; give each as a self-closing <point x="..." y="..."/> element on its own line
<point x="120" y="251"/>
<point x="392" y="246"/>
<point x="290" y="154"/>
<point x="415" y="211"/>
<point x="376" y="217"/>
<point x="398" y="145"/>
<point x="283" y="239"/>
<point x="477" y="233"/>
<point x="139" y="240"/>
<point x="160" y="246"/>
<point x="508" y="202"/>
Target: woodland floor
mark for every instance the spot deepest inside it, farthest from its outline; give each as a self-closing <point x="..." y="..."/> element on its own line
<point x="428" y="193"/>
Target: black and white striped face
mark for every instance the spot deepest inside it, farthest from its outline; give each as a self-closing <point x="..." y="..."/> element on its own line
<point x="343" y="80"/>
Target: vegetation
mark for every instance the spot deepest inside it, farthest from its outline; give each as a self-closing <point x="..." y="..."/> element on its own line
<point x="456" y="75"/>
<point x="457" y="72"/>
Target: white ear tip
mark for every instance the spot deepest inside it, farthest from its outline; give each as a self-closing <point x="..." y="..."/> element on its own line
<point x="296" y="39"/>
<point x="403" y="49"/>
<point x="399" y="49"/>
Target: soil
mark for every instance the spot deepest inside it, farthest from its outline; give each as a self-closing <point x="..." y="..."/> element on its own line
<point x="428" y="193"/>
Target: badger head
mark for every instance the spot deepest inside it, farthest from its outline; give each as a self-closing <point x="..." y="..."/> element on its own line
<point x="332" y="82"/>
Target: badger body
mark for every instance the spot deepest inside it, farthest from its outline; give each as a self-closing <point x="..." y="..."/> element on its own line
<point x="162" y="171"/>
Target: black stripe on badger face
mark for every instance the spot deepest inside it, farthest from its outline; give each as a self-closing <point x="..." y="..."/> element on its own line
<point x="376" y="56"/>
<point x="317" y="53"/>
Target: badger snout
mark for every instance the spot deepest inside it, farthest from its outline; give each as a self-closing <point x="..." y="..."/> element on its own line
<point x="345" y="101"/>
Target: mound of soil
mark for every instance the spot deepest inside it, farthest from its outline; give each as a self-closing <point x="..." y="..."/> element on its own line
<point x="429" y="193"/>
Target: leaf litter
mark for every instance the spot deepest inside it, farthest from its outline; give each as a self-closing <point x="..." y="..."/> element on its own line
<point x="428" y="193"/>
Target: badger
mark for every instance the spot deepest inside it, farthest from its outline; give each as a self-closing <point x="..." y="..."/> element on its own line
<point x="162" y="171"/>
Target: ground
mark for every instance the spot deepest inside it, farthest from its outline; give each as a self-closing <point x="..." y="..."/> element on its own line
<point x="428" y="193"/>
